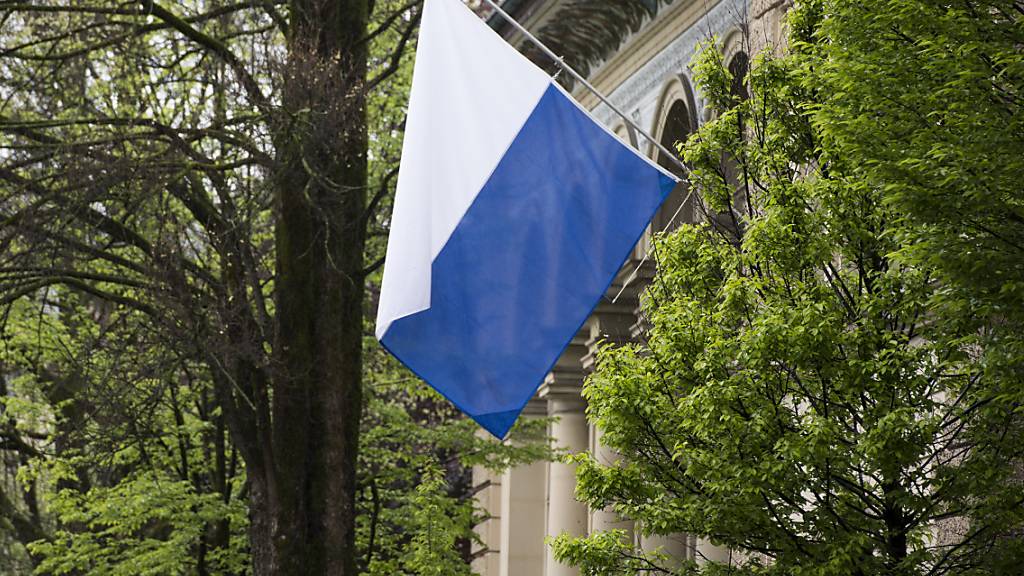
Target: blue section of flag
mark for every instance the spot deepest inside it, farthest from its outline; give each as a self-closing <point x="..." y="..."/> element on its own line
<point x="528" y="262"/>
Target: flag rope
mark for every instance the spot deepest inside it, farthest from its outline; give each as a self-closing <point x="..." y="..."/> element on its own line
<point x="579" y="77"/>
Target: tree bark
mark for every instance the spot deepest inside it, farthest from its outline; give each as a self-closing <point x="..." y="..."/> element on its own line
<point x="307" y="492"/>
<point x="288" y="381"/>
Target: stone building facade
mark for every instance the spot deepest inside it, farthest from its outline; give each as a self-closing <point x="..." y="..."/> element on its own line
<point x="648" y="77"/>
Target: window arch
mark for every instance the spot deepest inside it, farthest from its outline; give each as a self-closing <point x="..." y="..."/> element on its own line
<point x="736" y="56"/>
<point x="676" y="90"/>
<point x="735" y="46"/>
<point x="675" y="122"/>
<point x="625" y="134"/>
<point x="676" y="127"/>
<point x="739" y="66"/>
<point x="732" y="222"/>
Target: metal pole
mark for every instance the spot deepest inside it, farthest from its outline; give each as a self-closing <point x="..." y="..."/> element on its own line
<point x="579" y="77"/>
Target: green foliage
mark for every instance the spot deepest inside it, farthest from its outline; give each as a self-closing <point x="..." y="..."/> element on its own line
<point x="125" y="462"/>
<point x="928" y="98"/>
<point x="436" y="529"/>
<point x="818" y="391"/>
<point x="416" y="454"/>
<point x="130" y="485"/>
<point x="141" y="525"/>
<point x="610" y="553"/>
<point x="124" y="284"/>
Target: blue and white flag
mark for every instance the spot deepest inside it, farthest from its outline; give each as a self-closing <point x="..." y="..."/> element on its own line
<point x="513" y="213"/>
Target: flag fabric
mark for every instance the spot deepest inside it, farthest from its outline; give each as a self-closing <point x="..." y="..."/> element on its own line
<point x="513" y="212"/>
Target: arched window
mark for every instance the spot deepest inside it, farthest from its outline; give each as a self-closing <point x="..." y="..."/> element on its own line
<point x="731" y="222"/>
<point x="676" y="128"/>
<point x="738" y="68"/>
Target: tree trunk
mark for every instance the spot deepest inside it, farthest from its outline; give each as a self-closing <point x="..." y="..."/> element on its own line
<point x="304" y="503"/>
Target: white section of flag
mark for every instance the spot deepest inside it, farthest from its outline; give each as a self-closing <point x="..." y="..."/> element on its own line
<point x="472" y="92"/>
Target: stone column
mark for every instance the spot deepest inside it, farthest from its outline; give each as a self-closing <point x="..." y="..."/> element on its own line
<point x="610" y="324"/>
<point x="561" y="389"/>
<point x="488" y="496"/>
<point x="678" y="548"/>
<point x="606" y="519"/>
<point x="523" y="512"/>
<point x="565" y="513"/>
<point x="614" y="322"/>
<point x="708" y="552"/>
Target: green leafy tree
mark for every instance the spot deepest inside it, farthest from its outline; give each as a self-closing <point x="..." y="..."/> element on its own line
<point x="143" y="524"/>
<point x="417" y="510"/>
<point x="802" y="397"/>
<point x="433" y="550"/>
<point x="194" y="207"/>
<point x="125" y="466"/>
<point x="206" y="165"/>
<point x="123" y="460"/>
<point x="928" y="96"/>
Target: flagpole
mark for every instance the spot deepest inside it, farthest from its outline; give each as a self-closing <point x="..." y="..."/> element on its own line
<point x="579" y="77"/>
